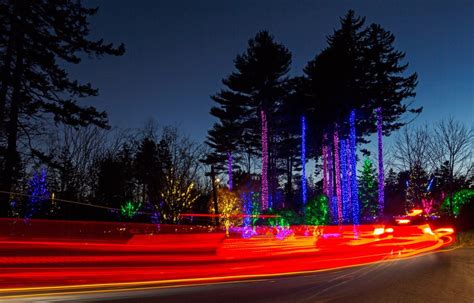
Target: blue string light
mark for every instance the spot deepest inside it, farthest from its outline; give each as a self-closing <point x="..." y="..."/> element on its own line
<point x="38" y="190"/>
<point x="303" y="159"/>
<point x="354" y="185"/>
<point x="430" y="184"/>
<point x="344" y="191"/>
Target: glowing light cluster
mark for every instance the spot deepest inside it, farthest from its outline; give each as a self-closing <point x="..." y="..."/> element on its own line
<point x="337" y="172"/>
<point x="229" y="205"/>
<point x="381" y="178"/>
<point x="250" y="208"/>
<point x="303" y="160"/>
<point x="460" y="198"/>
<point x="317" y="210"/>
<point x="129" y="209"/>
<point x="264" y="160"/>
<point x="39" y="193"/>
<point x="353" y="160"/>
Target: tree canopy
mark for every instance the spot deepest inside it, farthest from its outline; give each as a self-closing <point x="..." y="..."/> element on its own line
<point x="37" y="40"/>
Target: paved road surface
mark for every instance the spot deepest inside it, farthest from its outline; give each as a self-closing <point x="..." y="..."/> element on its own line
<point x="439" y="277"/>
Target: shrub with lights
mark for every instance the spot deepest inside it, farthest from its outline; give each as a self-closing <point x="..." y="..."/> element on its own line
<point x="228" y="203"/>
<point x="317" y="211"/>
<point x="39" y="195"/>
<point x="129" y="209"/>
<point x="459" y="199"/>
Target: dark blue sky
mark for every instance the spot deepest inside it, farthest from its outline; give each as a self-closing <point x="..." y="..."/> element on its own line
<point x="178" y="52"/>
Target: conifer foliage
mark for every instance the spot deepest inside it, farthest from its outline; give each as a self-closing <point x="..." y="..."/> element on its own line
<point x="368" y="190"/>
<point x="36" y="37"/>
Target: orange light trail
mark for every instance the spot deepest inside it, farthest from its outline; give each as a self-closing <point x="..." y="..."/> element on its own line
<point x="403" y="221"/>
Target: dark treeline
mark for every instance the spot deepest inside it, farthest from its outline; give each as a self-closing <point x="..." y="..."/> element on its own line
<point x="358" y="70"/>
<point x="55" y="152"/>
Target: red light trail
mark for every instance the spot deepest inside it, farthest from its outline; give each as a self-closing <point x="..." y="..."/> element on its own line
<point x="98" y="253"/>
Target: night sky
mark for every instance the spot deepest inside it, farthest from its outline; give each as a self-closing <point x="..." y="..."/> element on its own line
<point x="178" y="52"/>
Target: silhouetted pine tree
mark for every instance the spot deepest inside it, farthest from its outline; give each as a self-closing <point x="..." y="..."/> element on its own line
<point x="149" y="171"/>
<point x="359" y="69"/>
<point x="258" y="84"/>
<point x="115" y="179"/>
<point x="34" y="37"/>
<point x="395" y="187"/>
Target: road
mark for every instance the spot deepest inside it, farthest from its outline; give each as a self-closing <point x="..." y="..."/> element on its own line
<point x="446" y="276"/>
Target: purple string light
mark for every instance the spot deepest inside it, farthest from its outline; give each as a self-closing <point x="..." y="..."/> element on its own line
<point x="381" y="177"/>
<point x="264" y="161"/>
<point x="332" y="205"/>
<point x="229" y="169"/>
<point x="325" y="168"/>
<point x="337" y="172"/>
<point x="303" y="159"/>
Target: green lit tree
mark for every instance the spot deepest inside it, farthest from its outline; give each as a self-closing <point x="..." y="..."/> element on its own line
<point x="259" y="84"/>
<point x="459" y="199"/>
<point x="317" y="211"/>
<point x="368" y="190"/>
<point x="129" y="209"/>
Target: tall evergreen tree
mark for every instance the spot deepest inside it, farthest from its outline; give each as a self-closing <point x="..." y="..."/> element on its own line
<point x="257" y="86"/>
<point x="225" y="136"/>
<point x="34" y="37"/>
<point x="359" y="69"/>
<point x="149" y="171"/>
<point x="115" y="180"/>
<point x="394" y="197"/>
